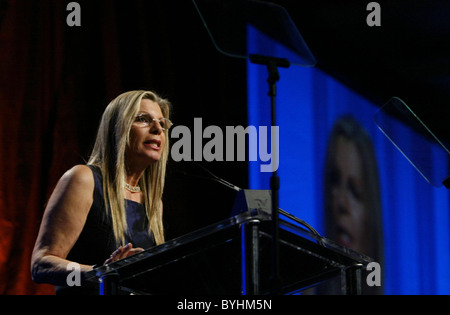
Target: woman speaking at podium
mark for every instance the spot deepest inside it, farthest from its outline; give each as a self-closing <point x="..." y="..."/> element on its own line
<point x="111" y="207"/>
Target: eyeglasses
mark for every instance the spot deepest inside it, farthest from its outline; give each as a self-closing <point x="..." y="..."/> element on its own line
<point x="143" y="120"/>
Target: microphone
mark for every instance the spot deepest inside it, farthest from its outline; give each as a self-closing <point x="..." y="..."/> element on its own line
<point x="214" y="178"/>
<point x="223" y="182"/>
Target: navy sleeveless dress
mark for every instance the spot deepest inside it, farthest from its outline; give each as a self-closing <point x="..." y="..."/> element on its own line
<point x="96" y="241"/>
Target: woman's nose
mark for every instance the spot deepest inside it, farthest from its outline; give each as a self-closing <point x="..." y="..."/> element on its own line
<point x="156" y="129"/>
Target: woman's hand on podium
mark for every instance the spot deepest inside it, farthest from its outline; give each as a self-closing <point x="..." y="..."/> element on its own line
<point x="123" y="252"/>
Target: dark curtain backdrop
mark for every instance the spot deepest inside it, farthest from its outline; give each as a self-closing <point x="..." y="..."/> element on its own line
<point x="55" y="82"/>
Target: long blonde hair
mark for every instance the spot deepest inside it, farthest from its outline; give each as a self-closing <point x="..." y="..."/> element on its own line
<point x="109" y="155"/>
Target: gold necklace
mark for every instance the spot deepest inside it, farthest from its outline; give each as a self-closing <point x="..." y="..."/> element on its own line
<point x="134" y="189"/>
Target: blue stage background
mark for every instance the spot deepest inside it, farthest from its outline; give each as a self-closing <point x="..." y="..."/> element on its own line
<point x="415" y="215"/>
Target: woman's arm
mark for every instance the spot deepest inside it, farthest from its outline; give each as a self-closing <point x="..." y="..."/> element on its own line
<point x="62" y="223"/>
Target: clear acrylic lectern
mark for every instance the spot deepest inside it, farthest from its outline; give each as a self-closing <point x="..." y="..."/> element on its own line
<point x="233" y="257"/>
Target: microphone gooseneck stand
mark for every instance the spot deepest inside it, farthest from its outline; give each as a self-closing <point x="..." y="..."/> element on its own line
<point x="227" y="184"/>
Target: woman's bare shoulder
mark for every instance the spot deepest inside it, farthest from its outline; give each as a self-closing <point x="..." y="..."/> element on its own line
<point x="78" y="178"/>
<point x="79" y="173"/>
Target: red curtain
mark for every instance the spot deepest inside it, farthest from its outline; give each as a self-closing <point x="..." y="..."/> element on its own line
<point x="31" y="58"/>
<point x="40" y="126"/>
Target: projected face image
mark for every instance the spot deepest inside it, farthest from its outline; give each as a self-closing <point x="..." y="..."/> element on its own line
<point x="347" y="194"/>
<point x="352" y="193"/>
